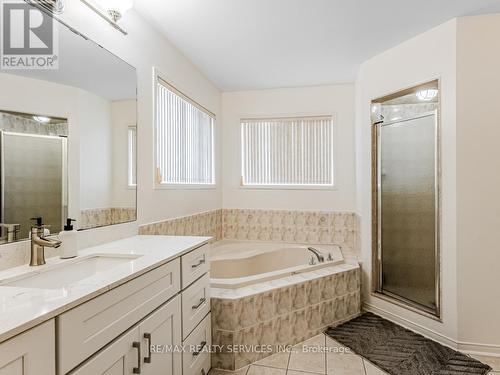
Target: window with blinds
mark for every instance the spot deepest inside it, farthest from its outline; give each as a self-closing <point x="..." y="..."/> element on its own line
<point x="132" y="156"/>
<point x="287" y="151"/>
<point x="184" y="135"/>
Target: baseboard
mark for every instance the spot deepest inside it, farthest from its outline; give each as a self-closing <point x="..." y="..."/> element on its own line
<point x="424" y="331"/>
<point x="465" y="347"/>
<point x="479" y="349"/>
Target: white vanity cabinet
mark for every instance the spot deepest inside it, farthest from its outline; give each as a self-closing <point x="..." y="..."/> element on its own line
<point x="159" y="335"/>
<point x="131" y="352"/>
<point x="90" y="326"/>
<point x="30" y="353"/>
<point x="140" y="326"/>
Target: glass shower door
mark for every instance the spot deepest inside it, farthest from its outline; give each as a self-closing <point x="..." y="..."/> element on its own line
<point x="43" y="158"/>
<point x="407" y="211"/>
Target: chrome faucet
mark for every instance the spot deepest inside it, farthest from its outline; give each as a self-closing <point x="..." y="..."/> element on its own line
<point x="320" y="256"/>
<point x="38" y="243"/>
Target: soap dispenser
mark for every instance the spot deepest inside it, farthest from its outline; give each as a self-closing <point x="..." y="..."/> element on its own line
<point x="69" y="238"/>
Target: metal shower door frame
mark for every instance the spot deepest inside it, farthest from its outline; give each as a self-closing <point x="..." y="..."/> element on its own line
<point x="377" y="252"/>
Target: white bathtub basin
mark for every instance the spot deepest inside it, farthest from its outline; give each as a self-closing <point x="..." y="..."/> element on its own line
<point x="235" y="264"/>
<point x="61" y="275"/>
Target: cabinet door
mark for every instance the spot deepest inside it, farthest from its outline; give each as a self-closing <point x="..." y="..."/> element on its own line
<point x="160" y="333"/>
<point x="122" y="357"/>
<point x="30" y="353"/>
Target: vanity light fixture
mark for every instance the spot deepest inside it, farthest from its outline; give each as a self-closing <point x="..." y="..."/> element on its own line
<point x="41" y="119"/>
<point x="111" y="10"/>
<point x="53" y="6"/>
<point x="427" y="95"/>
<point x="116" y="8"/>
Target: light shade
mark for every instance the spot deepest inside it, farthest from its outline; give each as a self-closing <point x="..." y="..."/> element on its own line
<point x="41" y="119"/>
<point x="119" y="6"/>
<point x="427" y="94"/>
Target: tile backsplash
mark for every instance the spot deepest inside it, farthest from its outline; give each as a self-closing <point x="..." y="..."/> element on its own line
<point x="265" y="225"/>
<point x="290" y="226"/>
<point x="98" y="217"/>
<point x="203" y="224"/>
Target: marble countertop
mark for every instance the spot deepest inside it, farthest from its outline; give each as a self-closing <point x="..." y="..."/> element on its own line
<point x="24" y="308"/>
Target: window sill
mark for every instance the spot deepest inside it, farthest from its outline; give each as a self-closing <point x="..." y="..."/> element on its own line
<point x="289" y="187"/>
<point x="185" y="186"/>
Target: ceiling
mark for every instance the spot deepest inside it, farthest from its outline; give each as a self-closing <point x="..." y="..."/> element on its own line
<point x="257" y="44"/>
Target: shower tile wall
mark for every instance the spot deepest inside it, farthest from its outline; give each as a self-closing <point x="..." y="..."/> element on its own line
<point x="282" y="317"/>
<point x="392" y="112"/>
<point x="19" y="124"/>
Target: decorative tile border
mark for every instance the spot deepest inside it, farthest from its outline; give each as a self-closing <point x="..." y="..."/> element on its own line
<point x="203" y="224"/>
<point x="99" y="217"/>
<point x="282" y="317"/>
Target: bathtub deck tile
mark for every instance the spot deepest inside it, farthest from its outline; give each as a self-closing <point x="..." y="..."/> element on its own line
<point x="270" y="317"/>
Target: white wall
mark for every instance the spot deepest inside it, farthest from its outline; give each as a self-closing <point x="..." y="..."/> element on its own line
<point x="144" y="48"/>
<point x="426" y="57"/>
<point x="478" y="182"/>
<point x="96" y="145"/>
<point x="323" y="100"/>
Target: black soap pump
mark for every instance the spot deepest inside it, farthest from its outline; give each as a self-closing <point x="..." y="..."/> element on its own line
<point x="69" y="238"/>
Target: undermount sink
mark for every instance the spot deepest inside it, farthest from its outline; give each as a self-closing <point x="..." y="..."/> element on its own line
<point x="61" y="275"/>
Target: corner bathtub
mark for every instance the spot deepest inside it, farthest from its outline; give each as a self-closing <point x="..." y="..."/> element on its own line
<point x="236" y="264"/>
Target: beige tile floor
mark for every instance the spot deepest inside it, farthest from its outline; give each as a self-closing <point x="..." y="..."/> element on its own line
<point x="337" y="360"/>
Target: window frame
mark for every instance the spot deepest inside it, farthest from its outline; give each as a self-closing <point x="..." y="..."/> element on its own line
<point x="159" y="78"/>
<point x="131" y="159"/>
<point x="305" y="187"/>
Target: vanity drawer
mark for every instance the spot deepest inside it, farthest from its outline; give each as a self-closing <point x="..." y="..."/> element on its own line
<point x="195" y="304"/>
<point x="201" y="337"/>
<point x="85" y="329"/>
<point x="194" y="265"/>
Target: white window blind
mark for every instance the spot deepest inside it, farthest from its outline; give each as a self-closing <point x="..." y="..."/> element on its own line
<point x="132" y="154"/>
<point x="287" y="151"/>
<point x="184" y="139"/>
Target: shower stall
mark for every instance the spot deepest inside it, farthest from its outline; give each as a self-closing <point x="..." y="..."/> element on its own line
<point x="33" y="182"/>
<point x="406" y="200"/>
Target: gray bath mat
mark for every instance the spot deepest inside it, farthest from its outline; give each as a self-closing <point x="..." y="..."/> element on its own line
<point x="400" y="351"/>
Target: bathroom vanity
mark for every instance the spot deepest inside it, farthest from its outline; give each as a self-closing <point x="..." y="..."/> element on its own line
<point x="126" y="307"/>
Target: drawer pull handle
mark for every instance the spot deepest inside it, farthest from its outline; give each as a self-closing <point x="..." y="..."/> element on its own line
<point x="202" y="261"/>
<point x="137" y="345"/>
<point x="147" y="359"/>
<point x="202" y="345"/>
<point x="202" y="301"/>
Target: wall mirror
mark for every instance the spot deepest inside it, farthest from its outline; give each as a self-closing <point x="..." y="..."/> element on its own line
<point x="68" y="140"/>
<point x="405" y="128"/>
